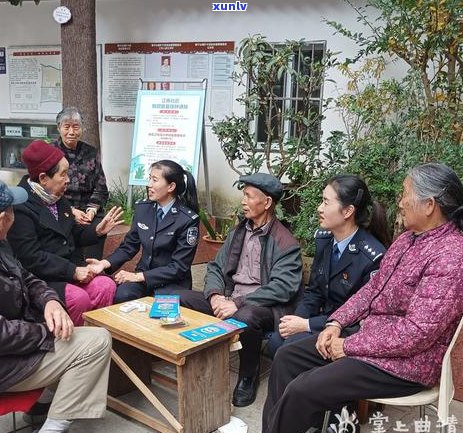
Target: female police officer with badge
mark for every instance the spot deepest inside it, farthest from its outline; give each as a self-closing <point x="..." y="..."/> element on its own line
<point x="349" y="248"/>
<point x="166" y="226"/>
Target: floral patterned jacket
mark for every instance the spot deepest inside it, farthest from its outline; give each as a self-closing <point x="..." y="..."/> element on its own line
<point x="410" y="309"/>
<point x="87" y="181"/>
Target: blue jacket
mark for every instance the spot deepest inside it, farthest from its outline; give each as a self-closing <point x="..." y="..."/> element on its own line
<point x="329" y="288"/>
<point x="167" y="250"/>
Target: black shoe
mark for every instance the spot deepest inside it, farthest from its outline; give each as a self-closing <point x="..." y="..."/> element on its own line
<point x="245" y="391"/>
<point x="37" y="414"/>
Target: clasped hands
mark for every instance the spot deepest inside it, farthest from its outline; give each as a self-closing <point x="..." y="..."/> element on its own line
<point x="329" y="344"/>
<point x="222" y="307"/>
<point x="83" y="218"/>
<point x="98" y="266"/>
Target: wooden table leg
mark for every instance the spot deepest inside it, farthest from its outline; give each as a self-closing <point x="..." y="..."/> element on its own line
<point x="204" y="389"/>
<point x="128" y="410"/>
<point x="137" y="360"/>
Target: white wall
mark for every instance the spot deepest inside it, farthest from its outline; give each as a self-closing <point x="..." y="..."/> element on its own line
<point x="180" y="20"/>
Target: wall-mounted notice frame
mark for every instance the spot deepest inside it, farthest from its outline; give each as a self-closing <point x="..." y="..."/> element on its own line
<point x="34" y="74"/>
<point x="166" y="66"/>
<point x="168" y="125"/>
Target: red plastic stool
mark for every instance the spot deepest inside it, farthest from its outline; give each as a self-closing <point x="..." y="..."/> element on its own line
<point x="18" y="402"/>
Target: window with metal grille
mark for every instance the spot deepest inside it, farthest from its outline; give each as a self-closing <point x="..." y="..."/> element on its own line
<point x="292" y="108"/>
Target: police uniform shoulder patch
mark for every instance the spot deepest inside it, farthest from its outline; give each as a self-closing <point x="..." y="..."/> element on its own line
<point x="321" y="234"/>
<point x="192" y="236"/>
<point x="193" y="215"/>
<point x="143" y="202"/>
<point x="371" y="252"/>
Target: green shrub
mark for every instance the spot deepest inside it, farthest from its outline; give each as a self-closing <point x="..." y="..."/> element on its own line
<point x="118" y="196"/>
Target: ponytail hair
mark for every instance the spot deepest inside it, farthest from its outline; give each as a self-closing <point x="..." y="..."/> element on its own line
<point x="185" y="185"/>
<point x="369" y="214"/>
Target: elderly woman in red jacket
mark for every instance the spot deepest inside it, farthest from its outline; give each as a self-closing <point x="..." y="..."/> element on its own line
<point x="407" y="313"/>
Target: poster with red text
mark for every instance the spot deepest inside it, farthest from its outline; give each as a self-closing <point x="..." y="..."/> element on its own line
<point x="168" y="125"/>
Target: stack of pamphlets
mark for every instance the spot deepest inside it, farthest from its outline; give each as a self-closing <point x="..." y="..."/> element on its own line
<point x="212" y="330"/>
<point x="165" y="306"/>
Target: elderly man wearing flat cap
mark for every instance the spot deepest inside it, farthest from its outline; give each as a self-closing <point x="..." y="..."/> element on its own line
<point x="255" y="277"/>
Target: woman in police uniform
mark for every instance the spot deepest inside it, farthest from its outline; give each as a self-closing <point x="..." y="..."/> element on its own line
<point x="349" y="248"/>
<point x="166" y="227"/>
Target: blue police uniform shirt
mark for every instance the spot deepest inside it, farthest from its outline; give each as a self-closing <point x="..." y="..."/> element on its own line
<point x="343" y="244"/>
<point x="166" y="208"/>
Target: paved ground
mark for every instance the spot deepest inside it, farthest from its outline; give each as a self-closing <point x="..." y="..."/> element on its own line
<point x="251" y="415"/>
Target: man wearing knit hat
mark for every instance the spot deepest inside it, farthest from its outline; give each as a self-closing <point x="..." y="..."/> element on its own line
<point x="45" y="235"/>
<point x="255" y="277"/>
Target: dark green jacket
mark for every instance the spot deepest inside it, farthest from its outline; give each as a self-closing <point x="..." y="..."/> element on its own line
<point x="280" y="270"/>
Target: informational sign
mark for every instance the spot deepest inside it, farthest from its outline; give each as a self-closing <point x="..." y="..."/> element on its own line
<point x="167" y="66"/>
<point x="35" y="79"/>
<point x="13" y="131"/>
<point x="168" y="125"/>
<point x="2" y="60"/>
<point x="39" y="131"/>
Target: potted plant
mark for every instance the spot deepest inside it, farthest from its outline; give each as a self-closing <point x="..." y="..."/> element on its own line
<point x="218" y="230"/>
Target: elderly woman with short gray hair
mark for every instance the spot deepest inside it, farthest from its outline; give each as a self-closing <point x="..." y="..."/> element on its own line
<point x="407" y="312"/>
<point x="87" y="191"/>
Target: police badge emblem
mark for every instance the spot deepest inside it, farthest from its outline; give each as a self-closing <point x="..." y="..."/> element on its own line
<point x="192" y="236"/>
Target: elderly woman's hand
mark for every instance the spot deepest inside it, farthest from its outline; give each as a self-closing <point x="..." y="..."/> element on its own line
<point x="325" y="339"/>
<point x="337" y="348"/>
<point x="83" y="274"/>
<point x="80" y="216"/>
<point x="97" y="266"/>
<point x="112" y="219"/>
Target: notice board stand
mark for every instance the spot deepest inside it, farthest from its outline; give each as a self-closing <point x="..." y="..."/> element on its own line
<point x="169" y="124"/>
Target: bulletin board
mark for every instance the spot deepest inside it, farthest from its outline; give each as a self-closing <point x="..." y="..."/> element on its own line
<point x="35" y="79"/>
<point x="166" y="66"/>
<point x="34" y="75"/>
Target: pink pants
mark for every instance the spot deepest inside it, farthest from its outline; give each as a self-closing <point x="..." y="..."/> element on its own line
<point x="98" y="293"/>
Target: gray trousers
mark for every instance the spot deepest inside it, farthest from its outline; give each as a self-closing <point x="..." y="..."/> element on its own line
<point x="78" y="369"/>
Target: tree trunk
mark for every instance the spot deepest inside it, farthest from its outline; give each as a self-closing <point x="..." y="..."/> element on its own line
<point x="78" y="47"/>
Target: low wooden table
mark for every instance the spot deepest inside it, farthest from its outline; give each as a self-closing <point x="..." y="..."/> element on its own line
<point x="202" y="380"/>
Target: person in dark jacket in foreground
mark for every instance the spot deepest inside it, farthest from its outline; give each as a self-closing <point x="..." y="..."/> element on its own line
<point x="39" y="346"/>
<point x="255" y="277"/>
